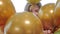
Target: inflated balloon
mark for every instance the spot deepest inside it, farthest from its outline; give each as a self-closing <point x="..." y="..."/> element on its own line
<point x="57" y="15"/>
<point x="6" y="10"/>
<point x="23" y="23"/>
<point x="46" y="16"/>
<point x="33" y="1"/>
<point x="57" y="32"/>
<point x="48" y="8"/>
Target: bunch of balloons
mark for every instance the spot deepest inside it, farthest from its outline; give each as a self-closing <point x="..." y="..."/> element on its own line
<point x="36" y="19"/>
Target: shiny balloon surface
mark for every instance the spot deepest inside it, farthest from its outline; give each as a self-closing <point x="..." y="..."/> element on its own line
<point x="24" y="23"/>
<point x="46" y="16"/>
<point x="6" y="10"/>
<point x="57" y="15"/>
<point x="33" y="1"/>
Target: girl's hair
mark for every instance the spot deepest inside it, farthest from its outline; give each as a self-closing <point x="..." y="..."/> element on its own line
<point x="27" y="7"/>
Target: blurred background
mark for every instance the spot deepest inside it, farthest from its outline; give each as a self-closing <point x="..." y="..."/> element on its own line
<point x="20" y="4"/>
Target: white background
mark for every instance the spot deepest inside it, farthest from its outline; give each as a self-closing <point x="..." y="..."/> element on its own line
<point x="20" y="4"/>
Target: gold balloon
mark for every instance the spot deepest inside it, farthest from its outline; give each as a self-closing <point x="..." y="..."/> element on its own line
<point x="6" y="10"/>
<point x="33" y="1"/>
<point x="48" y="8"/>
<point x="24" y="23"/>
<point x="57" y="15"/>
<point x="46" y="15"/>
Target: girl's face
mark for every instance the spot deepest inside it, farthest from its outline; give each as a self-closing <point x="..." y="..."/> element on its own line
<point x="34" y="9"/>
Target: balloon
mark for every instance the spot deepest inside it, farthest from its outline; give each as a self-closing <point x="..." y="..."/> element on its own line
<point x="24" y="23"/>
<point x="6" y="10"/>
<point x="33" y="1"/>
<point x="46" y="16"/>
<point x="57" y="15"/>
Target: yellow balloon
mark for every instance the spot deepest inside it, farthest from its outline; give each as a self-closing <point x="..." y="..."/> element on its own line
<point x="24" y="23"/>
<point x="33" y="1"/>
<point x="6" y="10"/>
<point x="57" y="15"/>
<point x="46" y="15"/>
<point x="48" y="8"/>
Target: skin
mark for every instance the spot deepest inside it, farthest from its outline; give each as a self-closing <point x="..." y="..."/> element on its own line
<point x="34" y="9"/>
